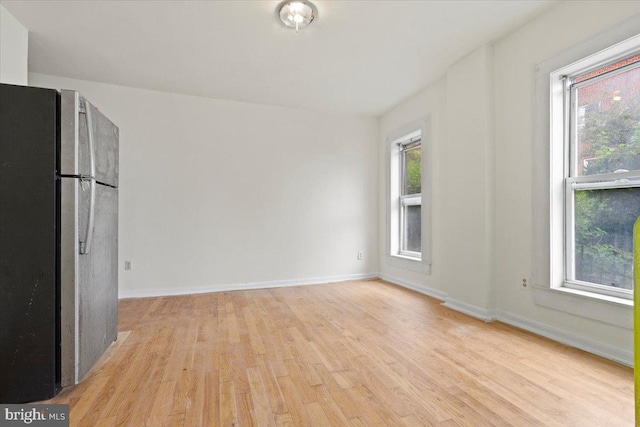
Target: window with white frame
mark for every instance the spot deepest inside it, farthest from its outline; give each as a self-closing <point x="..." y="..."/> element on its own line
<point x="410" y="195"/>
<point x="595" y="145"/>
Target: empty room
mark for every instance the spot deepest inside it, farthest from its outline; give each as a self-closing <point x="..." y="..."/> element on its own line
<point x="319" y="213"/>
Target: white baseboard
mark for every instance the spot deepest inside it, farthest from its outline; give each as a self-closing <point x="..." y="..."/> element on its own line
<point x="425" y="290"/>
<point x="565" y="337"/>
<point x="560" y="335"/>
<point x="158" y="292"/>
<point x="471" y="310"/>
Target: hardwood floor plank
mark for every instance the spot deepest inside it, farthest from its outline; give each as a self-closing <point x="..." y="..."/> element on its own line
<point x="210" y="409"/>
<point x="162" y="404"/>
<point x="317" y="414"/>
<point x="254" y="332"/>
<point x="334" y="413"/>
<point x="83" y="406"/>
<point x="273" y="391"/>
<point x="262" y="407"/>
<point x="106" y="422"/>
<point x="232" y="321"/>
<point x="284" y="420"/>
<point x="195" y="395"/>
<point x="246" y="410"/>
<point x="413" y="421"/>
<point x="175" y="420"/>
<point x="228" y="408"/>
<point x="293" y="401"/>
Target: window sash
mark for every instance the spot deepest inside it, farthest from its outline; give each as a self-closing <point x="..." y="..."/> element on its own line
<point x="405" y="147"/>
<point x="572" y="182"/>
<point x="410" y="140"/>
<point x="571" y="110"/>
<point x="613" y="177"/>
<point x="602" y="76"/>
<point x="603" y="185"/>
<point x="404" y="201"/>
<point x="411" y="200"/>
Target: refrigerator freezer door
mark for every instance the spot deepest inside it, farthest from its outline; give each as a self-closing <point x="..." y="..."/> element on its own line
<point x="105" y="144"/>
<point x="89" y="141"/>
<point x="90" y="281"/>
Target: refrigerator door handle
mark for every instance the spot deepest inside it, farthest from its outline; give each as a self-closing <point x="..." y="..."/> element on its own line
<point x="92" y="152"/>
<point x="85" y="246"/>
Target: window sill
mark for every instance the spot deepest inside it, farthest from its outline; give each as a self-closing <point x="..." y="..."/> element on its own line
<point x="409" y="263"/>
<point x="579" y="288"/>
<point x="409" y="257"/>
<point x="604" y="308"/>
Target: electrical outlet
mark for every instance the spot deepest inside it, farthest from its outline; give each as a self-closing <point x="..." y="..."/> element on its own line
<point x="127" y="265"/>
<point x="360" y="255"/>
<point x="524" y="284"/>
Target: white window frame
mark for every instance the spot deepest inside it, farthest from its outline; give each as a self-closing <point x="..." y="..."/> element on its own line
<point x="394" y="258"/>
<point x="572" y="182"/>
<point x="549" y="158"/>
<point x="405" y="200"/>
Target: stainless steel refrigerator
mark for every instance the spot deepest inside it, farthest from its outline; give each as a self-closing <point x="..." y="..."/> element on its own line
<point x="58" y="240"/>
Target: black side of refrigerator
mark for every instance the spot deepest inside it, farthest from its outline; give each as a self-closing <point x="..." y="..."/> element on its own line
<point x="29" y="244"/>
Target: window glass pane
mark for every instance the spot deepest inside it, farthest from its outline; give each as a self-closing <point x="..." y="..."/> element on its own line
<point x="412" y="228"/>
<point x="604" y="222"/>
<point x="608" y="124"/>
<point x="412" y="171"/>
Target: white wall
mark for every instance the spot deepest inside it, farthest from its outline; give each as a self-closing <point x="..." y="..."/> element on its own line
<point x="217" y="193"/>
<point x="483" y="111"/>
<point x="430" y="103"/>
<point x="460" y="109"/>
<point x="468" y="181"/>
<point x="14" y="49"/>
<point x="515" y="59"/>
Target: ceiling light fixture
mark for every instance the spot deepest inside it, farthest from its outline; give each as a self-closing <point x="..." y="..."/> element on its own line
<point x="297" y="13"/>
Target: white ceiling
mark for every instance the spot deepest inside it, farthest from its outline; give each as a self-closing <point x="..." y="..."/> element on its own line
<point x="358" y="57"/>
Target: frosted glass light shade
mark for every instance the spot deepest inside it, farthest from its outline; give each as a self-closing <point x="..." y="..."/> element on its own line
<point x="297" y="13"/>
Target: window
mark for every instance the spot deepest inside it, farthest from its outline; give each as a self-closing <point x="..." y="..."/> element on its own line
<point x="595" y="148"/>
<point x="559" y="162"/>
<point x="410" y="198"/>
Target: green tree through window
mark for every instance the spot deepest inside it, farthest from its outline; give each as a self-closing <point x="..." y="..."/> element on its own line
<point x="414" y="171"/>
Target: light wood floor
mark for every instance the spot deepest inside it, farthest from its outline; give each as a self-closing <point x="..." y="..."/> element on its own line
<point x="347" y="354"/>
